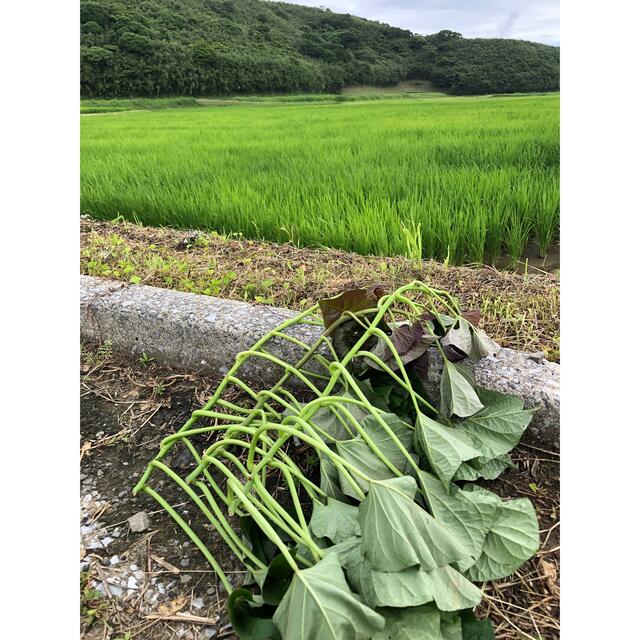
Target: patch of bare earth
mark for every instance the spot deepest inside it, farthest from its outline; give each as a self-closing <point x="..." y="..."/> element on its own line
<point x="519" y="311"/>
<point x="156" y="585"/>
<point x="153" y="584"/>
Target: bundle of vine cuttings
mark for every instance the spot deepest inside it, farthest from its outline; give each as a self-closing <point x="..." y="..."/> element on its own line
<point x="347" y="488"/>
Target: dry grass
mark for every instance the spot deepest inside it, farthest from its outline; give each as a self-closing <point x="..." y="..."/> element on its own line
<point x="520" y="311"/>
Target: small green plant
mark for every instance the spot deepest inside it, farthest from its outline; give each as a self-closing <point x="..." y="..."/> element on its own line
<point x="93" y="604"/>
<point x="413" y="242"/>
<point x="145" y="359"/>
<point x="389" y="534"/>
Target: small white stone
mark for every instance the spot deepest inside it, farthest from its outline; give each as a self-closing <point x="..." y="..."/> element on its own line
<point x="114" y="560"/>
<point x="139" y="522"/>
<point x="197" y="603"/>
<point x="116" y="591"/>
<point x="132" y="583"/>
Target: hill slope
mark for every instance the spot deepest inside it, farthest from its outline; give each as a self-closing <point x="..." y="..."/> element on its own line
<point x="218" y="47"/>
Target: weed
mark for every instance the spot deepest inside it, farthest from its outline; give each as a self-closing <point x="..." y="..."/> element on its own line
<point x="413" y="241"/>
<point x="145" y="360"/>
<point x="93" y="604"/>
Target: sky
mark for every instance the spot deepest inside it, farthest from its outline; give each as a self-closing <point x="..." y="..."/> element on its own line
<point x="536" y="20"/>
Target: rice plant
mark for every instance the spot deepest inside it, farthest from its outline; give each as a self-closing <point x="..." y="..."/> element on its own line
<point x="477" y="176"/>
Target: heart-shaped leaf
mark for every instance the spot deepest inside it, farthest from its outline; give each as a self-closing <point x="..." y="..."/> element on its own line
<point x="457" y="395"/>
<point x="458" y="341"/>
<point x="499" y="425"/>
<point x="408" y="588"/>
<point x="463" y="513"/>
<point x="336" y="520"/>
<point x="260" y="544"/>
<point x="410" y="341"/>
<point x="331" y="418"/>
<point x="353" y="300"/>
<point x="482" y="345"/>
<point x="319" y="604"/>
<point x="473" y="316"/>
<point x="512" y="539"/>
<point x="444" y="447"/>
<point x="450" y="626"/>
<point x="398" y="534"/>
<point x="412" y="587"/>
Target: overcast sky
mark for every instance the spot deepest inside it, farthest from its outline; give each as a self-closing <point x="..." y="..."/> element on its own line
<point x="537" y="20"/>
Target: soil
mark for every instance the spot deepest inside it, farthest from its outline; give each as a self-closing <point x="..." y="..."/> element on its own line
<point x="121" y="428"/>
<point x="162" y="587"/>
<point x="527" y="604"/>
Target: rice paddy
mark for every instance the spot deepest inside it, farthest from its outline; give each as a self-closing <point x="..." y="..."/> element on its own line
<point x="457" y="179"/>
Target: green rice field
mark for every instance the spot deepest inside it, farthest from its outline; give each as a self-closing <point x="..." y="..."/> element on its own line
<point x="463" y="179"/>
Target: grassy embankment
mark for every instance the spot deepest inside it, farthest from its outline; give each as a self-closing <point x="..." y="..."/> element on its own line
<point x="520" y="311"/>
<point x="463" y="179"/>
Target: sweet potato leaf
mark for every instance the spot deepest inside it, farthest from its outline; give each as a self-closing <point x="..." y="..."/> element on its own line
<point x="475" y="470"/>
<point x="397" y="533"/>
<point x="250" y="620"/>
<point x="499" y="425"/>
<point x="473" y="316"/>
<point x="482" y="345"/>
<point x="410" y="624"/>
<point x="512" y="539"/>
<point x="444" y="447"/>
<point x="475" y="629"/>
<point x="319" y="604"/>
<point x="450" y="626"/>
<point x="457" y="396"/>
<point x="446" y="587"/>
<point x="274" y="580"/>
<point x="336" y="520"/>
<point x="261" y="546"/>
<point x="330" y="478"/>
<point x="467" y="517"/>
<point x="332" y="420"/>
<point x="458" y="341"/>
<point x="358" y="453"/>
<point x="410" y="341"/>
<point x="410" y="587"/>
<point x="353" y="300"/>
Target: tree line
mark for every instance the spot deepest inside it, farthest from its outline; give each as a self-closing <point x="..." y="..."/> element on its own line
<point x="225" y="47"/>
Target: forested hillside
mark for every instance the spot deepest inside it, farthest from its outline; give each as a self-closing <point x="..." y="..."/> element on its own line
<point x="222" y="47"/>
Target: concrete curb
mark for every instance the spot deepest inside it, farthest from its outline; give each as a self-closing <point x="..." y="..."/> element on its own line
<point x="204" y="334"/>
